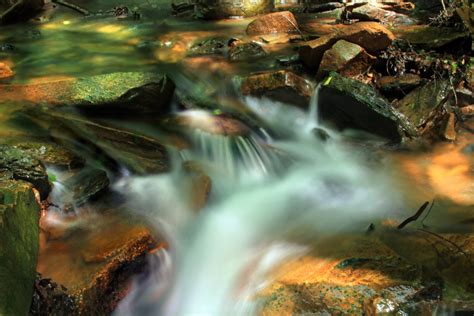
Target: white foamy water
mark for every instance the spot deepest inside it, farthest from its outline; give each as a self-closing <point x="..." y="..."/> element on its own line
<point x="225" y="254"/>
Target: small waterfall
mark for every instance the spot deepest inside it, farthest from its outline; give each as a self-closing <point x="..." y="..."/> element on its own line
<point x="313" y="115"/>
<point x="224" y="254"/>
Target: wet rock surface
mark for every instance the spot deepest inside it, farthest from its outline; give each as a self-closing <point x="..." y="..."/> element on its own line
<point x="19" y="230"/>
<point x="372" y="36"/>
<point x="348" y="103"/>
<point x="19" y="165"/>
<point x="398" y="86"/>
<point x="87" y="184"/>
<point x="241" y="51"/>
<point x="12" y="11"/>
<point x="284" y="86"/>
<point x="278" y="22"/>
<point x="50" y="298"/>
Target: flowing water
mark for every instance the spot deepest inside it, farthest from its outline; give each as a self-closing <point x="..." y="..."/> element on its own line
<point x="274" y="192"/>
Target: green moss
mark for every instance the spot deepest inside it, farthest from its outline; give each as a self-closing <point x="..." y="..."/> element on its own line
<point x="19" y="229"/>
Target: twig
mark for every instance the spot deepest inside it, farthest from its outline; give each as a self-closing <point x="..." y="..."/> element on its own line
<point x="72" y="6"/>
<point x="414" y="217"/>
<point x="427" y="213"/>
<point x="448" y="241"/>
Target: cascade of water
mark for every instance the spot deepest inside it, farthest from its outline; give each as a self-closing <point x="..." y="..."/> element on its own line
<point x="223" y="255"/>
<point x="313" y="115"/>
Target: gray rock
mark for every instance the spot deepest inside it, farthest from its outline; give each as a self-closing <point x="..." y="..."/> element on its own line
<point x="87" y="184"/>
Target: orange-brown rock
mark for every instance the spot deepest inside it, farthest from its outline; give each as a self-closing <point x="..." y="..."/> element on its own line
<point x="345" y="57"/>
<point x="212" y="124"/>
<point x="372" y="36"/>
<point x="450" y="129"/>
<point x="5" y="71"/>
<point x="468" y="110"/>
<point x="281" y="85"/>
<point x="277" y="22"/>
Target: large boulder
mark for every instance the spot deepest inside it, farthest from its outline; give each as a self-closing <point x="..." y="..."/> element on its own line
<point x="126" y="93"/>
<point x="348" y="103"/>
<point x="19" y="229"/>
<point x="372" y="36"/>
<point x="281" y="85"/>
<point x="277" y="22"/>
<point x="431" y="37"/>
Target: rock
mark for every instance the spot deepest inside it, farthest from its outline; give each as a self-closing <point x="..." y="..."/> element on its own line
<point x="280" y="85"/>
<point x="50" y="298"/>
<point x="372" y="36"/>
<point x="246" y="51"/>
<point x="5" y="72"/>
<point x="12" y="11"/>
<point x="346" y="58"/>
<point x="139" y="153"/>
<point x="87" y="184"/>
<point x="348" y="103"/>
<point x="468" y="110"/>
<point x="450" y="129"/>
<point x="277" y="22"/>
<point x="422" y="103"/>
<point x="209" y="46"/>
<point x="431" y="37"/>
<point x="22" y="166"/>
<point x="201" y="185"/>
<point x="398" y="86"/>
<point x="377" y="13"/>
<point x="222" y="9"/>
<point x="19" y="230"/>
<point x="51" y="154"/>
<point x="122" y="93"/>
<point x="206" y="122"/>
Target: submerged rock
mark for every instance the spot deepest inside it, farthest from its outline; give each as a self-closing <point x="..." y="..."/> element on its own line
<point x="281" y="85"/>
<point x="127" y="93"/>
<point x="224" y="9"/>
<point x="86" y="185"/>
<point x="12" y="11"/>
<point x="372" y="36"/>
<point x="348" y="103"/>
<point x="240" y="51"/>
<point x="5" y="72"/>
<point x="210" y="46"/>
<point x="421" y="104"/>
<point x="277" y="22"/>
<point x="346" y="58"/>
<point x="22" y="166"/>
<point x="19" y="230"/>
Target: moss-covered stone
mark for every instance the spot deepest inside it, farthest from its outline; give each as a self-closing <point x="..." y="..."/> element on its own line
<point x="22" y="166"/>
<point x="349" y="103"/>
<point x="19" y="229"/>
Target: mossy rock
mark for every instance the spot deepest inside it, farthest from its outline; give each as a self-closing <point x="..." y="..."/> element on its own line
<point x="19" y="229"/>
<point x="216" y="9"/>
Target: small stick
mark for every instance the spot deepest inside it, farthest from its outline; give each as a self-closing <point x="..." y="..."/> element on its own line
<point x="427" y="213"/>
<point x="414" y="217"/>
<point x="73" y="7"/>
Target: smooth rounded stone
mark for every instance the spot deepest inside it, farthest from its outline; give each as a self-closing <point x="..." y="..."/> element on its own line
<point x="86" y="184"/>
<point x="372" y="36"/>
<point x="396" y="86"/>
<point x="210" y="46"/>
<point x="19" y="231"/>
<point x="348" y="103"/>
<point x="23" y="166"/>
<point x="221" y="9"/>
<point x="420" y="104"/>
<point x="320" y="134"/>
<point x="212" y="124"/>
<point x="281" y="85"/>
<point x="240" y="51"/>
<point x="51" y="154"/>
<point x="345" y="57"/>
<point x="12" y="11"/>
<point x="272" y="23"/>
<point x="468" y="110"/>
